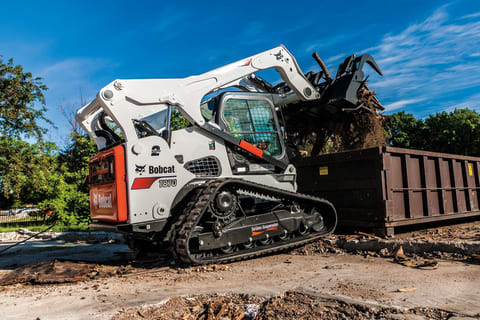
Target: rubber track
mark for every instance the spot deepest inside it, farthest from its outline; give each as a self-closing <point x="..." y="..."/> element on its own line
<point x="175" y="228"/>
<point x="187" y="222"/>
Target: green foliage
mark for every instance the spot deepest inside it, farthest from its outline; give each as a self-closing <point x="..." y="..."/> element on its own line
<point x="70" y="199"/>
<point x="20" y="95"/>
<point x="406" y="131"/>
<point x="26" y="171"/>
<point x="74" y="159"/>
<point x="38" y="173"/>
<point x="178" y="121"/>
<point x="70" y="205"/>
<point x="456" y="132"/>
<point x="33" y="173"/>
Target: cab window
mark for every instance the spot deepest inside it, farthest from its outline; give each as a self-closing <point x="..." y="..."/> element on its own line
<point x="102" y="170"/>
<point x="253" y="121"/>
<point x="152" y="125"/>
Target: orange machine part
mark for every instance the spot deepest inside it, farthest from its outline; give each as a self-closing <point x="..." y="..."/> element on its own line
<point x="108" y="200"/>
<point x="251" y="148"/>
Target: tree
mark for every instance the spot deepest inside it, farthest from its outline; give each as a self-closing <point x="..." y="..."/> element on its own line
<point x="68" y="196"/>
<point x="406" y="131"/>
<point x="22" y="102"/>
<point x="26" y="171"/>
<point x="74" y="159"/>
<point x="38" y="173"/>
<point x="456" y="132"/>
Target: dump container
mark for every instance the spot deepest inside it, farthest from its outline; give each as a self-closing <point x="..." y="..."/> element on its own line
<point x="385" y="187"/>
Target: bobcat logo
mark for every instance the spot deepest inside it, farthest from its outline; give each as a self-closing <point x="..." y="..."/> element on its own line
<point x="140" y="169"/>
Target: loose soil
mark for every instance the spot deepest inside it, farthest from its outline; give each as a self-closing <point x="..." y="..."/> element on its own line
<point x="291" y="305"/>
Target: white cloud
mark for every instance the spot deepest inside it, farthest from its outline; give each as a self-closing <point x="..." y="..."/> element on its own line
<point x="401" y="104"/>
<point x="473" y="15"/>
<point x="70" y="72"/>
<point x="428" y="61"/>
<point x="470" y="102"/>
<point x="69" y="80"/>
<point x="336" y="58"/>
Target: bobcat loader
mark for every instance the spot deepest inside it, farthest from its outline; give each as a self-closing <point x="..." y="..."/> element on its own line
<point x="223" y="187"/>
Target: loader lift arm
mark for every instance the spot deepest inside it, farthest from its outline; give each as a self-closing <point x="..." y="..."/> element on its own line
<point x="187" y="93"/>
<point x="124" y="100"/>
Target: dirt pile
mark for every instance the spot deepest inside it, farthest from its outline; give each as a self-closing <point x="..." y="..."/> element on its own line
<point x="314" y="128"/>
<point x="54" y="272"/>
<point x="48" y="272"/>
<point x="292" y="305"/>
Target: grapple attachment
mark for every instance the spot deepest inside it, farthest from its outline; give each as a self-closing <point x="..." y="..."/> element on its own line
<point x="349" y="90"/>
<point x="346" y="115"/>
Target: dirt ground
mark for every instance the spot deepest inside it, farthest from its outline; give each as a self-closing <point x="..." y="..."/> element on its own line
<point x="317" y="281"/>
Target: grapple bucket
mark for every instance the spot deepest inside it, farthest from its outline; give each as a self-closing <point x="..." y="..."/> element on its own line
<point x="347" y="111"/>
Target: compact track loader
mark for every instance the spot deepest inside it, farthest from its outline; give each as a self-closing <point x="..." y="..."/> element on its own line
<point x="223" y="188"/>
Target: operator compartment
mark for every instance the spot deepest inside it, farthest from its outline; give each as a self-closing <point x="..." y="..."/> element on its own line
<point x="108" y="197"/>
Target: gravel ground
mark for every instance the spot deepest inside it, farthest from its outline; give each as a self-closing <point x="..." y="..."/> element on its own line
<point x="316" y="281"/>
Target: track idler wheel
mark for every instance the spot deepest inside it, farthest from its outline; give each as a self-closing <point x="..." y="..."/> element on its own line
<point x="320" y="225"/>
<point x="225" y="205"/>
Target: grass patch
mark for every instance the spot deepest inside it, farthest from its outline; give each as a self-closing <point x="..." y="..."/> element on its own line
<point x="57" y="228"/>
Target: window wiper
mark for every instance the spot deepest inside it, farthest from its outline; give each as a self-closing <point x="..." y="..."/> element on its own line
<point x="145" y="128"/>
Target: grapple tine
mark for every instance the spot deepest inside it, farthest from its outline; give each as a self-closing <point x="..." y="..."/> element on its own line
<point x="371" y="61"/>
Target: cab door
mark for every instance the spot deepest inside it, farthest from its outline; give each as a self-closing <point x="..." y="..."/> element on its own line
<point x="252" y="117"/>
<point x="108" y="198"/>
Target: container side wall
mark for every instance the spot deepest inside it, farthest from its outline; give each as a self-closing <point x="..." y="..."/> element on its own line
<point x="387" y="187"/>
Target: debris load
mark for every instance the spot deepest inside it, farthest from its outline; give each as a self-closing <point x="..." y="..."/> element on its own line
<point x="48" y="272"/>
<point x="292" y="305"/>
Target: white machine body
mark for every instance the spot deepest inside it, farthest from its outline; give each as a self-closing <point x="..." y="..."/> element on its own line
<point x="159" y="164"/>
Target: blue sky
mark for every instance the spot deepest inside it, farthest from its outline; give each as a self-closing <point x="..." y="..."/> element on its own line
<point x="429" y="51"/>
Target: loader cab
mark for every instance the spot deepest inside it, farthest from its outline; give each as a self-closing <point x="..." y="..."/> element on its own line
<point x="252" y="117"/>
